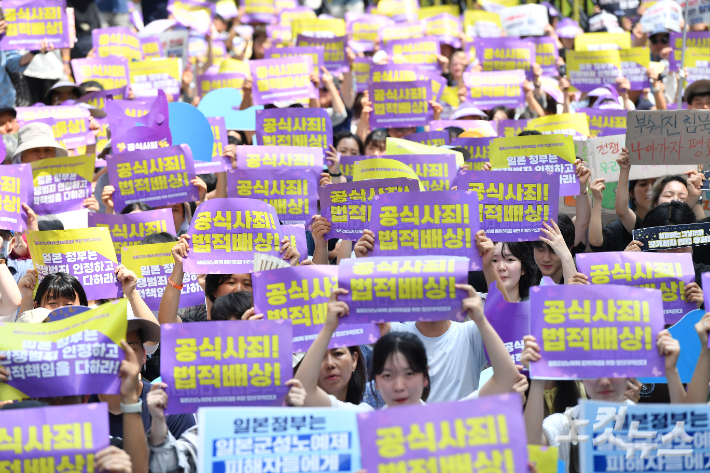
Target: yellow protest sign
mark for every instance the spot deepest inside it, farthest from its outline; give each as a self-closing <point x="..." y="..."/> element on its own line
<point x="43" y="171"/>
<point x="562" y="124"/>
<point x="399" y="8"/>
<point x="471" y="17"/>
<point x="152" y="74"/>
<point x="428" y="12"/>
<point x="318" y="28"/>
<point x="62" y="372"/>
<point x="450" y="96"/>
<point x="137" y="256"/>
<point x="395" y="146"/>
<point x="501" y="149"/>
<point x="289" y="16"/>
<point x="382" y="168"/>
<point x="635" y="62"/>
<point x="544" y="458"/>
<point x="602" y="41"/>
<point x="591" y="68"/>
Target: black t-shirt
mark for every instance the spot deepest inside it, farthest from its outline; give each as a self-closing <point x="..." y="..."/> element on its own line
<point x="177" y="424"/>
<point x="616" y="238"/>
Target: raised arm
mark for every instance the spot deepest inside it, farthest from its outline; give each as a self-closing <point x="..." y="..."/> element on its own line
<point x="134" y="442"/>
<point x="320" y="227"/>
<point x="558" y="245"/>
<point x="584" y="208"/>
<point x="698" y="387"/>
<point x="486" y="249"/>
<point x="10" y="295"/>
<point x="535" y="407"/>
<point x="170" y="302"/>
<point x="621" y="203"/>
<point x="669" y="348"/>
<point x="596" y="230"/>
<point x="129" y="281"/>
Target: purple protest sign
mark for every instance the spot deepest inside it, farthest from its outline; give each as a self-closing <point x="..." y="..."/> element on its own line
<point x="347" y="164"/>
<point x="117" y="41"/>
<point x="61" y="184"/>
<point x="316" y="54"/>
<point x="512" y="127"/>
<point x="132" y="130"/>
<point x="334" y="58"/>
<point x="670" y="273"/>
<point x="292" y="192"/>
<point x="603" y="331"/>
<point x="601" y="120"/>
<point x="361" y="73"/>
<point x="421" y="52"/>
<point x="282" y="79"/>
<point x="407" y="73"/>
<point x="26" y="115"/>
<point x="130" y="229"/>
<point x="223" y="80"/>
<point x="273" y="157"/>
<point x="491" y="89"/>
<point x="70" y="133"/>
<point x="98" y="98"/>
<point x="222" y="245"/>
<point x="390" y="289"/>
<point x="30" y="22"/>
<point x="399" y="104"/>
<point x="383" y="434"/>
<point x="437" y="172"/>
<point x="297" y="235"/>
<point x="55" y="423"/>
<point x="157" y="177"/>
<point x="445" y="27"/>
<point x="300" y="294"/>
<point x="238" y="364"/>
<point x="194" y="14"/>
<point x="478" y="147"/>
<point x="151" y="47"/>
<point x="221" y="164"/>
<point x="15" y="189"/>
<point x="569" y="185"/>
<point x="279" y="34"/>
<point x="634" y="67"/>
<point x="505" y="54"/>
<point x="307" y="127"/>
<point x="258" y="11"/>
<point x="221" y="139"/>
<point x="362" y="29"/>
<point x="546" y="54"/>
<point x="347" y="205"/>
<point x="110" y="72"/>
<point x="444" y="223"/>
<point x="512" y="205"/>
<point x="430" y="138"/>
<point x="511" y="321"/>
<point x="482" y="128"/>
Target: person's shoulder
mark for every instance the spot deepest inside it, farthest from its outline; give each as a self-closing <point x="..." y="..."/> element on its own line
<point x="402" y="327"/>
<point x="338" y="404"/>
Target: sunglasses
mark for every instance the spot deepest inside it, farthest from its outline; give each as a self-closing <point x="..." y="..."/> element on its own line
<point x="662" y="39"/>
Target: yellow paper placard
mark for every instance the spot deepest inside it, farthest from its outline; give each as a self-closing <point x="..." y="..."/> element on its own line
<point x="640" y="56"/>
<point x="233" y="65"/>
<point x="562" y="123"/>
<point x="445" y="25"/>
<point x="168" y="65"/>
<point x="318" y="28"/>
<point x="428" y="12"/>
<point x="83" y="166"/>
<point x="137" y="256"/>
<point x="695" y="57"/>
<point x="191" y="12"/>
<point x="601" y="41"/>
<point x="471" y="17"/>
<point x="581" y="61"/>
<point x="544" y="458"/>
<point x="395" y="146"/>
<point x="65" y="241"/>
<point x="501" y="149"/>
<point x="109" y="319"/>
<point x="401" y="8"/>
<point x="288" y="17"/>
<point x="450" y="96"/>
<point x="382" y="168"/>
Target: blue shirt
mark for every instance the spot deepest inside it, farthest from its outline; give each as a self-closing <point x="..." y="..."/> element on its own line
<point x="113" y="6"/>
<point x="9" y="61"/>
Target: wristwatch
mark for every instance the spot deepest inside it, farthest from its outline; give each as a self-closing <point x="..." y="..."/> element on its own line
<point x="136" y="408"/>
<point x="335" y="175"/>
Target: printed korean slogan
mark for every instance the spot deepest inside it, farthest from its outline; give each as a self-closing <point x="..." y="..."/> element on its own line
<point x="281" y="79"/>
<point x="315" y="53"/>
<point x="634" y="64"/>
<point x="71" y="133"/>
<point x="673" y="236"/>
<point x="422" y="52"/>
<point x="294" y="127"/>
<point x="236" y="439"/>
<point x="29" y="22"/>
<point x="273" y="157"/>
<point x="590" y="69"/>
<point x="512" y="205"/>
<point x="117" y="41"/>
<point x="66" y="436"/>
<point x="156" y="177"/>
<point x="363" y="29"/>
<point x="292" y="192"/>
<point x="668" y="272"/>
<point x="110" y="72"/>
<point x="130" y="229"/>
<point x="511" y="321"/>
<point x="61" y="184"/>
<point x="408" y="73"/>
<point x="399" y="104"/>
<point x="334" y="58"/>
<point x="361" y="73"/>
<point x="494" y="88"/>
<point x="445" y="27"/>
<point x="390" y="289"/>
<point x="225" y="363"/>
<point x="438" y="438"/>
<point x="668" y="137"/>
<point x="426" y="224"/>
<point x="505" y="54"/>
<point x="348" y="208"/>
<point x="153" y="265"/>
<point x="546" y="54"/>
<point x="74" y="356"/>
<point x="219" y="133"/>
<point x="151" y="47"/>
<point x="478" y="147"/>
<point x="226" y="233"/>
<point x="605" y="122"/>
<point x="430" y="138"/>
<point x="671" y="437"/>
<point x="300" y="294"/>
<point x="382" y="168"/>
<point x="436" y="172"/>
<point x="67" y="251"/>
<point x="15" y="190"/>
<point x="592" y="334"/>
<point x="221" y="80"/>
<point x="149" y="76"/>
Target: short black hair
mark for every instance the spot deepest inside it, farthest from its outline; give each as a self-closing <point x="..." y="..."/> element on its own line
<point x="454" y="132"/>
<point x="210" y="180"/>
<point x="378" y="134"/>
<point x="566" y="227"/>
<point x="529" y="133"/>
<point x="162" y="237"/>
<point x="60" y="285"/>
<point x="90" y="84"/>
<point x="231" y="306"/>
<point x="233" y="140"/>
<point x="341" y="135"/>
<point x="670" y="213"/>
<point x="136" y="206"/>
<point x="509" y="112"/>
<point x="45" y="224"/>
<point x="530" y="276"/>
<point x="466" y="153"/>
<point x="411" y="348"/>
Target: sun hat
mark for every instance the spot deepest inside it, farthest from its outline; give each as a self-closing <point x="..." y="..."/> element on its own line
<point x="36" y="135"/>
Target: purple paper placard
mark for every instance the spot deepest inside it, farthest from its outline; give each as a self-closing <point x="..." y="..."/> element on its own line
<point x="347" y="205"/>
<point x="305" y="127"/>
<point x="212" y="167"/>
<point x="190" y="14"/>
<point x="668" y="272"/>
<point x="399" y="104"/>
<point x="694" y="39"/>
<point x="616" y="348"/>
<point x="430" y="138"/>
<point x="273" y="157"/>
<point x="221" y="138"/>
<point x="132" y="128"/>
<point x="29" y="22"/>
<point x="61" y="187"/>
<point x="478" y="147"/>
<point x="70" y="133"/>
<point x="636" y="74"/>
<point x="297" y="235"/>
<point x="110" y="72"/>
<point x="421" y="52"/>
<point x="601" y="120"/>
<point x="227" y="246"/>
<point x="279" y="34"/>
<point x="512" y="127"/>
<point x="546" y="54"/>
<point x="239" y="364"/>
<point x="408" y="72"/>
<point x="130" y="229"/>
<point x="347" y="164"/>
<point x="27" y="115"/>
<point x="391" y="289"/>
<point x="504" y="445"/>
<point x="15" y="189"/>
<point x="316" y="55"/>
<point x="156" y="177"/>
<point x="362" y="29"/>
<point x="437" y="26"/>
<point x="223" y="80"/>
<point x="517" y="218"/>
<point x="258" y="11"/>
<point x="98" y="98"/>
<point x="484" y="128"/>
<point x="119" y="42"/>
<point x="505" y="54"/>
<point x="511" y="321"/>
<point x="444" y="223"/>
<point x="151" y="47"/>
<point x="282" y="79"/>
<point x="361" y="73"/>
<point x="292" y="192"/>
<point x="437" y="172"/>
<point x="569" y="185"/>
<point x="496" y="88"/>
<point x="334" y="58"/>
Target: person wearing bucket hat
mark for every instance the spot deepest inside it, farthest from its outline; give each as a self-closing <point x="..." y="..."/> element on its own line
<point x="697" y="95"/>
<point x="61" y="92"/>
<point x="35" y="141"/>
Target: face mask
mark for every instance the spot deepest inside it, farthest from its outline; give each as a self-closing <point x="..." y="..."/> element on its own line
<point x="582" y="104"/>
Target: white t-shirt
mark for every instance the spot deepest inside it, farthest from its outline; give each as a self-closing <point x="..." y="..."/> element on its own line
<point x="455" y="359"/>
<point x="338" y="404"/>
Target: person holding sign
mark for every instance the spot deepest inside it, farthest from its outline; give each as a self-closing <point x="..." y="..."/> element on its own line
<point x="516" y="268"/>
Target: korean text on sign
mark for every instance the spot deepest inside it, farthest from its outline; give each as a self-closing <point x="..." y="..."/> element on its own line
<point x="29" y="22"/>
<point x="130" y="229"/>
<point x="399" y="104"/>
<point x="15" y="185"/>
<point x="586" y="335"/>
<point x="223" y="363"/>
<point x="403" y="288"/>
<point x="436" y="172"/>
<point x="673" y="236"/>
<point x="668" y="137"/>
<point x="272" y="157"/>
<point x="117" y="41"/>
<point x="61" y="184"/>
<point x="294" y="127"/>
<point x="282" y="79"/>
